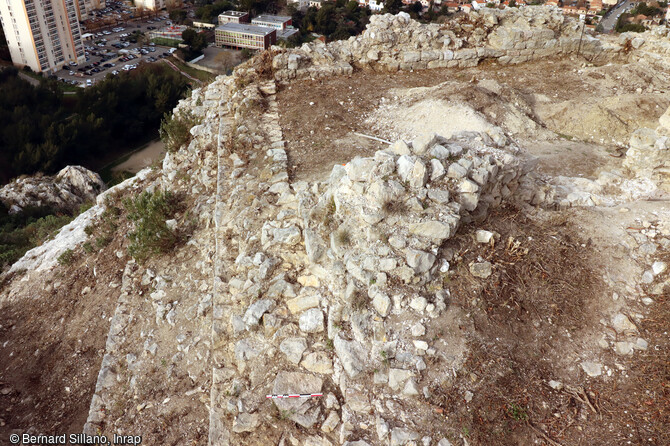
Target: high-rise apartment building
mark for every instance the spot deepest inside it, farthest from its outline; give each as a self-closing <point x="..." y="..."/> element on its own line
<point x="42" y="34"/>
<point x="85" y="8"/>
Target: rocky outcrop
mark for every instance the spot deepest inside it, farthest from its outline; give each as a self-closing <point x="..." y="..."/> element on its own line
<point x="66" y="191"/>
<point x="649" y="153"/>
<point x="392" y="43"/>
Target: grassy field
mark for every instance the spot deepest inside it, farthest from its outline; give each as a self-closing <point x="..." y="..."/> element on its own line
<point x="166" y="42"/>
<point x="204" y="76"/>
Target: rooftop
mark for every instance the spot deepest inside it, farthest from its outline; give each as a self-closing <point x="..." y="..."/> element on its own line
<point x="234" y="13"/>
<point x="272" y="18"/>
<point x="285" y="34"/>
<point x="247" y="29"/>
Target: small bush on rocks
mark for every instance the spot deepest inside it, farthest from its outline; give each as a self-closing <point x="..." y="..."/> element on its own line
<point x="175" y="130"/>
<point x="152" y="235"/>
<point x="343" y="237"/>
<point x="66" y="258"/>
<point x="394" y="207"/>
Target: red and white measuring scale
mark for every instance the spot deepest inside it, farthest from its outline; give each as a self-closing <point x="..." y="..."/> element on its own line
<point x="295" y="395"/>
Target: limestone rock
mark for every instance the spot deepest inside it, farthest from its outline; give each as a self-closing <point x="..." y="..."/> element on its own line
<point x="357" y="401"/>
<point x="318" y="362"/>
<point x="303" y="411"/>
<point x="423" y="142"/>
<point x="331" y="422"/>
<point x="382" y="304"/>
<point x="419" y="175"/>
<point x="456" y="171"/>
<point x="410" y="389"/>
<point x="438" y="195"/>
<point x="246" y="422"/>
<point x="481" y="269"/>
<point x="399" y="148"/>
<point x="67" y="190"/>
<point x="420" y="261"/>
<point x="434" y="230"/>
<point x="398" y="377"/>
<point x="303" y="303"/>
<point x="483" y="236"/>
<point x="437" y="171"/>
<point x="256" y="310"/>
<point x="293" y="348"/>
<point x="359" y="168"/>
<point x="401" y="436"/>
<point x="311" y="321"/>
<point x="314" y="245"/>
<point x="352" y="354"/>
<point x="591" y="368"/>
<point x="622" y="324"/>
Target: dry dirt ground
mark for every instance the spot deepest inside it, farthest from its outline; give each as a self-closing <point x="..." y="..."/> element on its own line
<point x="52" y="340"/>
<point x="548" y="99"/>
<point x="541" y="311"/>
<point x="53" y="329"/>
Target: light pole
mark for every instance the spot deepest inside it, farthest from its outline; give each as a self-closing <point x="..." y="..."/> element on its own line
<point x="582" y="18"/>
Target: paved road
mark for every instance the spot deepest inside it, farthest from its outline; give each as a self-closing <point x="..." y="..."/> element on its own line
<point x="609" y="20"/>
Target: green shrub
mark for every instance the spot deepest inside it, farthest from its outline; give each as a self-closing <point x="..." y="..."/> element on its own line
<point x="33" y="226"/>
<point x="152" y="235"/>
<point x="66" y="258"/>
<point x="175" y="130"/>
<point x="106" y="229"/>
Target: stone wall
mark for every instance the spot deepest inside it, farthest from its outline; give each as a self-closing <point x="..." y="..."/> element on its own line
<point x="648" y="155"/>
<point x="391" y="43"/>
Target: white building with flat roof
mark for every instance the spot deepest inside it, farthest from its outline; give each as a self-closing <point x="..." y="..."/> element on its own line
<point x="42" y="34"/>
<point x="279" y="22"/>
<point x="233" y="17"/>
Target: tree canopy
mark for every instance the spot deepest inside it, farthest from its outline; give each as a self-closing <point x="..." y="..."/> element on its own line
<point x="41" y="130"/>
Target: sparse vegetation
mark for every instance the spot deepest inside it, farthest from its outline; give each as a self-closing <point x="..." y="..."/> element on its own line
<point x="152" y="235"/>
<point x="66" y="258"/>
<point x="175" y="130"/>
<point x="23" y="231"/>
<point x="394" y="207"/>
<point x="105" y="231"/>
<point x="517" y="412"/>
<point x="385" y="357"/>
<point x="343" y="237"/>
<point x="359" y="300"/>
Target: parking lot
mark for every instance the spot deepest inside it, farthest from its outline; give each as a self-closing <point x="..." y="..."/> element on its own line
<point x="111" y="50"/>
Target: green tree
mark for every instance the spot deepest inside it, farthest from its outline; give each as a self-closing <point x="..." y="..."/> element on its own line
<point x="392" y="6"/>
<point x="178" y="15"/>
